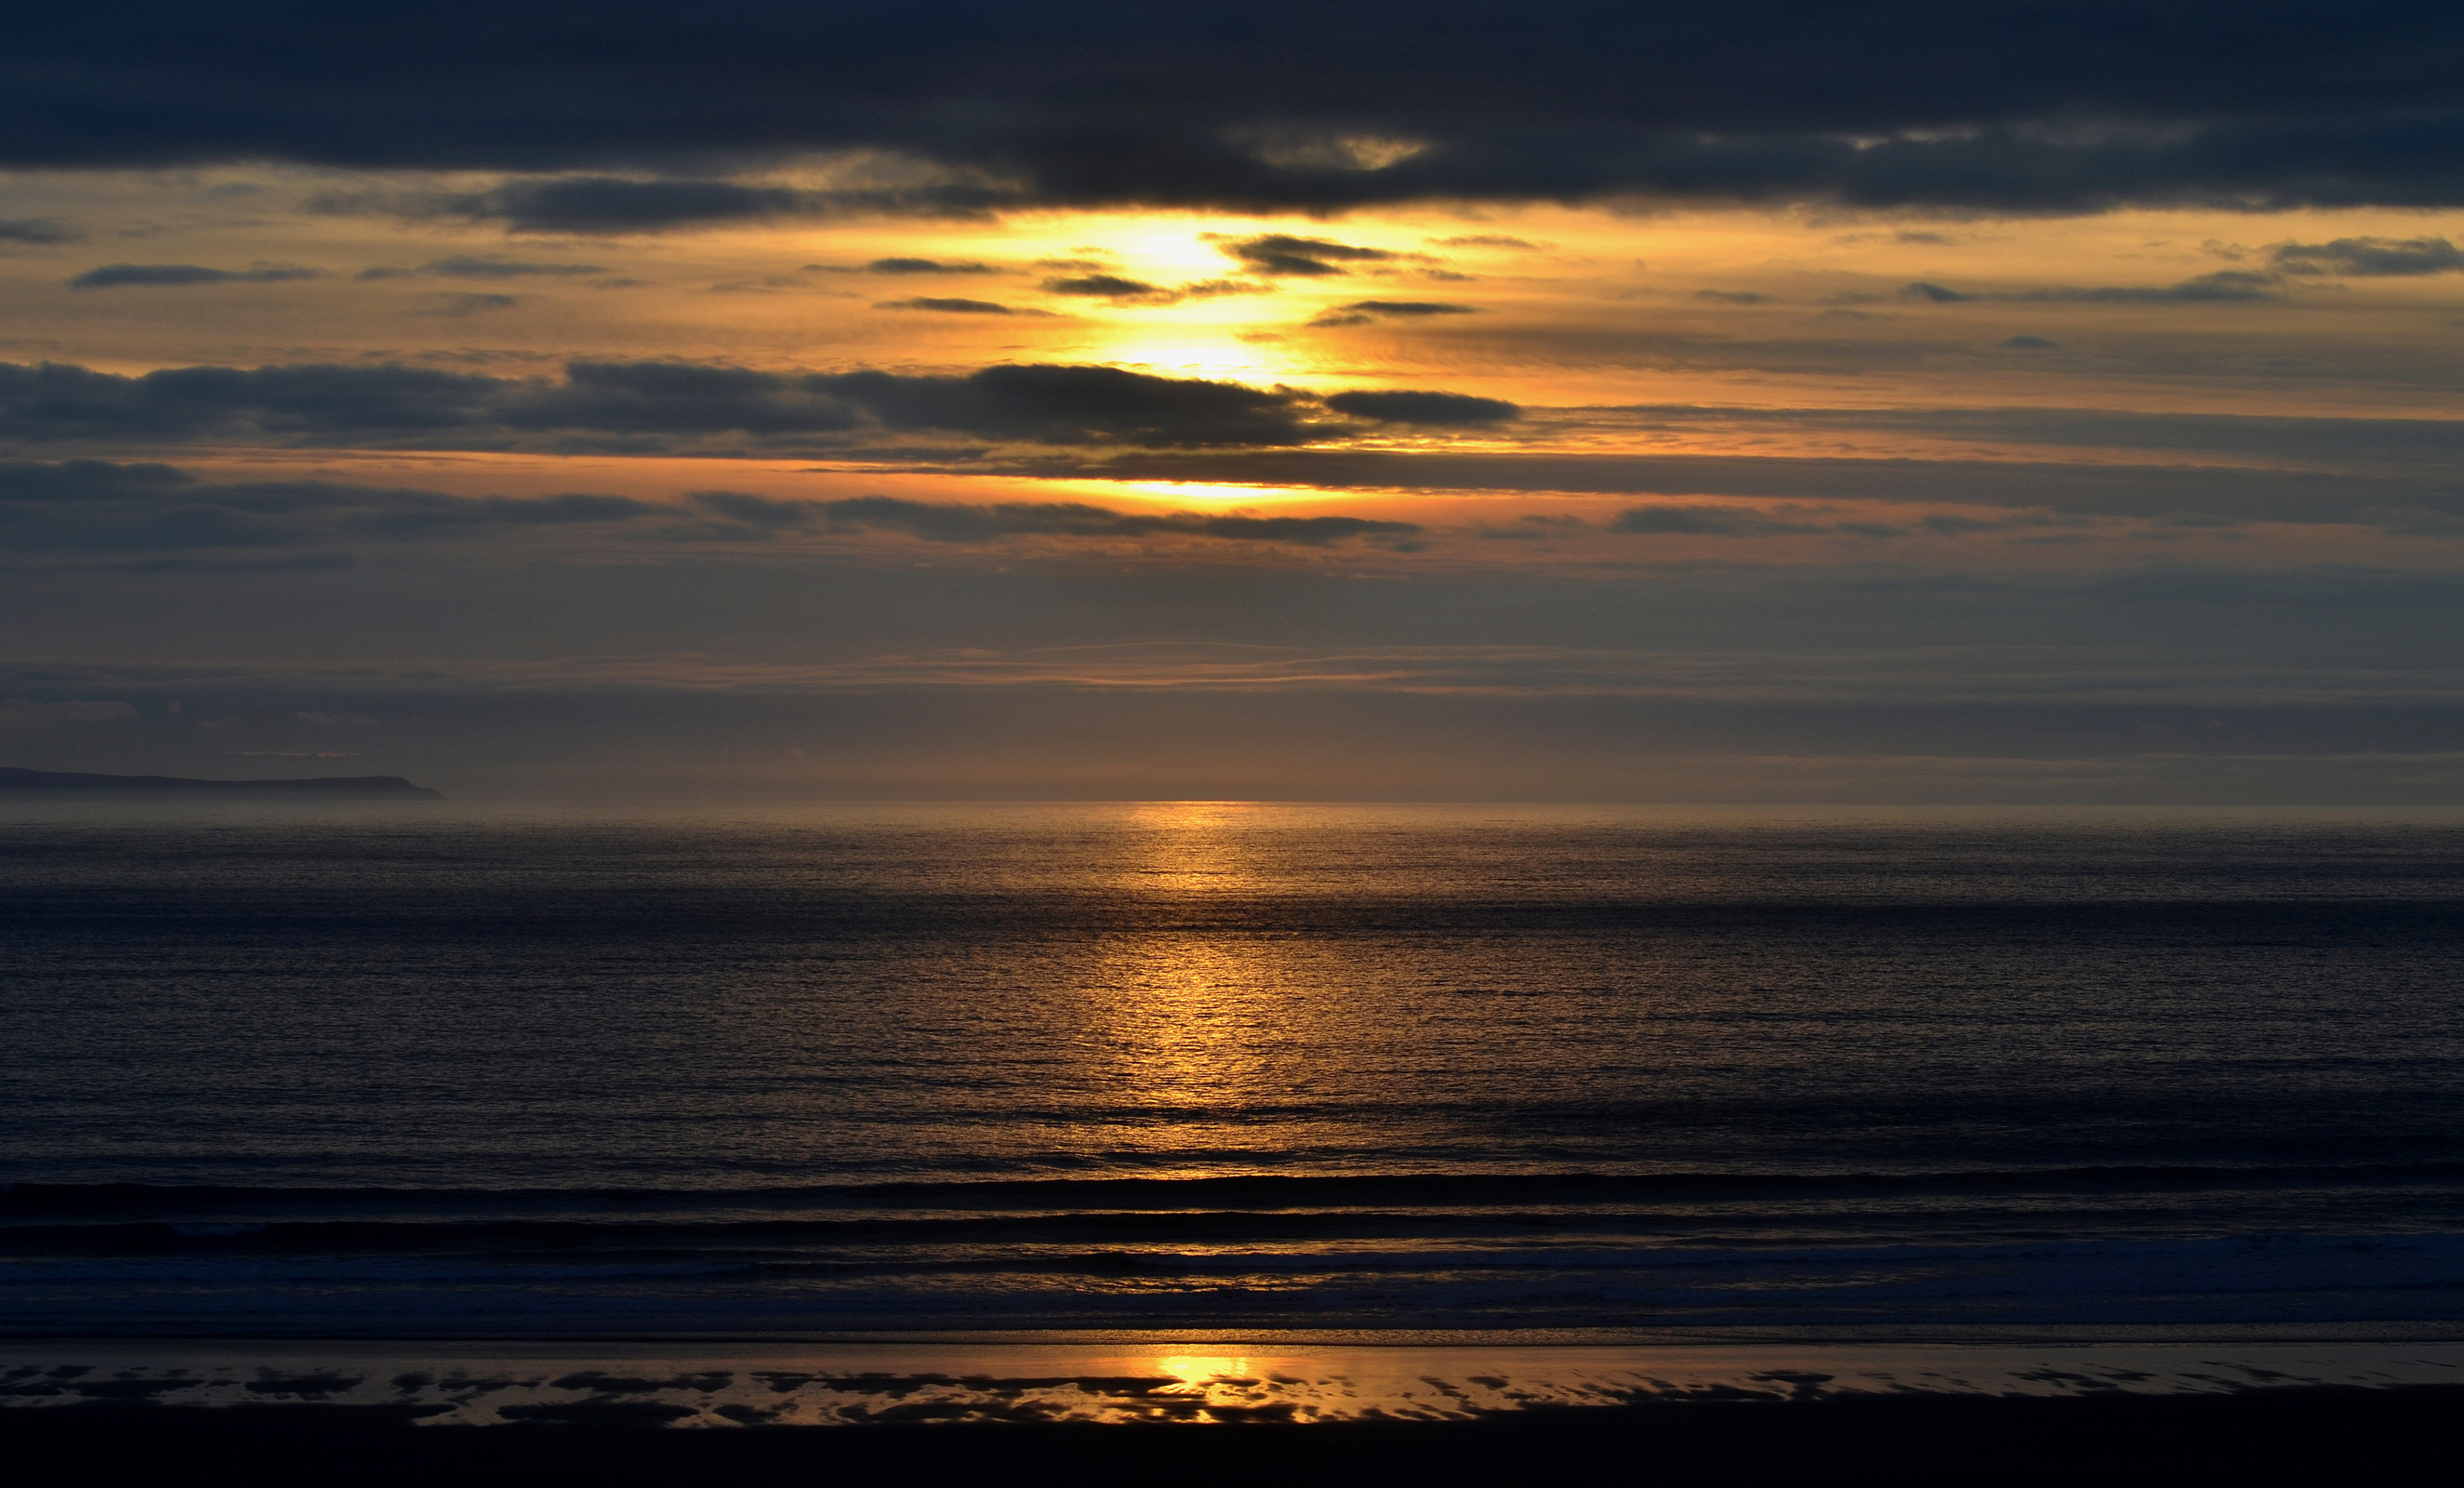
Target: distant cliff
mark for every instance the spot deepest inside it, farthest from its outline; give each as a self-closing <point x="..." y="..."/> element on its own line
<point x="331" y="787"/>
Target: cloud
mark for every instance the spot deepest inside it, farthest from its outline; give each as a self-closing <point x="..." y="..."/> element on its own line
<point x="2038" y="106"/>
<point x="1408" y="308"/>
<point x="1210" y="289"/>
<point x="1277" y="254"/>
<point x="2228" y="286"/>
<point x="610" y="205"/>
<point x="927" y="266"/>
<point x="1442" y="409"/>
<point x="1732" y="521"/>
<point x="1738" y="296"/>
<point x="948" y="307"/>
<point x="2412" y="522"/>
<point x="1113" y="287"/>
<point x="418" y="513"/>
<point x="1076" y="406"/>
<point x="75" y="510"/>
<point x="639" y="407"/>
<point x="2361" y="258"/>
<point x="39" y="229"/>
<point x="767" y="513"/>
<point x="20" y="717"/>
<point x="93" y="507"/>
<point x="938" y="522"/>
<point x="116" y="275"/>
<point x="1362" y="311"/>
<point x="589" y="205"/>
<point x="1485" y="240"/>
<point x="52" y="402"/>
<point x="2084" y="488"/>
<point x="453" y="306"/>
<point x="468" y="267"/>
<point x="993" y="419"/>
<point x="671" y="398"/>
<point x="82" y="481"/>
<point x="602" y="206"/>
<point x="2329" y="464"/>
<point x="2029" y="343"/>
<point x="1122" y="291"/>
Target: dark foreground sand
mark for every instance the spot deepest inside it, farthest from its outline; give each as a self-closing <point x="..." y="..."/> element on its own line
<point x="2301" y="1434"/>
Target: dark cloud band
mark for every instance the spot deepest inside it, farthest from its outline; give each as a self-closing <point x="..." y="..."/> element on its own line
<point x="622" y="117"/>
<point x="123" y="275"/>
<point x="41" y="231"/>
<point x="67" y="510"/>
<point x="657" y="407"/>
<point x="943" y="522"/>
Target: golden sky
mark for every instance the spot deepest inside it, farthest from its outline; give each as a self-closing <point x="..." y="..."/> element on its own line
<point x="2096" y="410"/>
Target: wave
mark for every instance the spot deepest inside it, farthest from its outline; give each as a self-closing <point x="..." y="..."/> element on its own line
<point x="20" y="1201"/>
<point x="923" y="1226"/>
<point x="2102" y="1245"/>
<point x="2305" y="1280"/>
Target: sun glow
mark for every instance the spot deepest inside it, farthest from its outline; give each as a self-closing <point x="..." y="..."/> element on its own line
<point x="1197" y="351"/>
<point x="1175" y="492"/>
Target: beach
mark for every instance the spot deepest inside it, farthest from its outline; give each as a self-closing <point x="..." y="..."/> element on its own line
<point x="1228" y="1413"/>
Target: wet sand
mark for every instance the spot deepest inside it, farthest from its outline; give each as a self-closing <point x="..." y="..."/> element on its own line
<point x="1224" y="1413"/>
<point x="1142" y="1381"/>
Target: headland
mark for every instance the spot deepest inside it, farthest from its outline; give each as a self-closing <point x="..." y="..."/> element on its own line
<point x="322" y="787"/>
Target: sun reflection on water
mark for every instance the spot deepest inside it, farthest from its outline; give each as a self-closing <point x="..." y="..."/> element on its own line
<point x="1194" y="846"/>
<point x="1197" y="1021"/>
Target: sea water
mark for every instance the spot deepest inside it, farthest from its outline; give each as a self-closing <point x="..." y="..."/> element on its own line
<point x="1369" y="1073"/>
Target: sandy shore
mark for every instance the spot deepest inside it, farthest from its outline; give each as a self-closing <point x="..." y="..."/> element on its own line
<point x="1228" y="1413"/>
<point x="2281" y="1435"/>
<point x="693" y="1386"/>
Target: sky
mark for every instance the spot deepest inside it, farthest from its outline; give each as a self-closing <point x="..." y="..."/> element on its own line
<point x="1787" y="403"/>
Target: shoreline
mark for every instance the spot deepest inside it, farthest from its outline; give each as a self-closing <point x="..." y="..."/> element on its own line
<point x="2288" y="1434"/>
<point x="1147" y="1381"/>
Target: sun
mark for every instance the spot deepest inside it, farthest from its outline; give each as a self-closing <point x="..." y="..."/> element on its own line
<point x="1207" y="350"/>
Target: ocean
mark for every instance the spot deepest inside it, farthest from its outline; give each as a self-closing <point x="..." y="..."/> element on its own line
<point x="1364" y="1074"/>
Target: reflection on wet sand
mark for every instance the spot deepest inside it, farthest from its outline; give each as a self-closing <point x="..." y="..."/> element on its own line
<point x="858" y="1383"/>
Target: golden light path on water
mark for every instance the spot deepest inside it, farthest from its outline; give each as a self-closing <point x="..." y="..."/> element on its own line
<point x="1194" y="1015"/>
